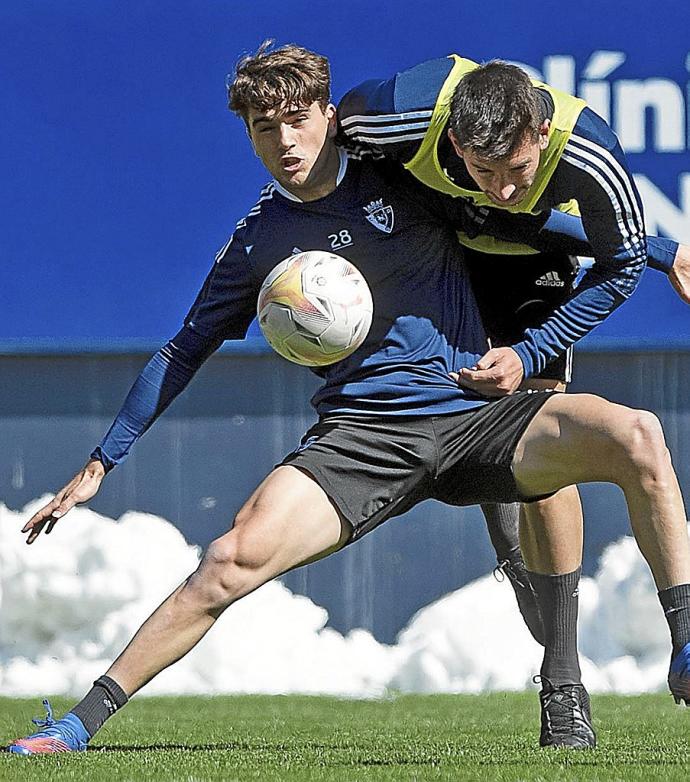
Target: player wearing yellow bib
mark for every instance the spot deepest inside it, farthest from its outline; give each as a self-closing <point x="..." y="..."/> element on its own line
<point x="494" y="137"/>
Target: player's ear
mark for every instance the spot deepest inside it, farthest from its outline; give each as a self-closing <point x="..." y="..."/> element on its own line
<point x="454" y="141"/>
<point x="330" y="114"/>
<point x="251" y="140"/>
<point x="544" y="134"/>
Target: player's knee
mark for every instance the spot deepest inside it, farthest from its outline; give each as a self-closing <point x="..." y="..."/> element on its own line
<point x="229" y="569"/>
<point x="645" y="446"/>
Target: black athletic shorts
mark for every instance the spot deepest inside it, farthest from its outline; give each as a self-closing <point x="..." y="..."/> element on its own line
<point x="375" y="467"/>
<point x="516" y="292"/>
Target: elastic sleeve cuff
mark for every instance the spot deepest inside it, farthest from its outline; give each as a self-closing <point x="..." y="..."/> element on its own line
<point x="529" y="367"/>
<point x="100" y="455"/>
<point x="661" y="253"/>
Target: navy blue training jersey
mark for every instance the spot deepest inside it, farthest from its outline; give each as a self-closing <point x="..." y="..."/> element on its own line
<point x="425" y="324"/>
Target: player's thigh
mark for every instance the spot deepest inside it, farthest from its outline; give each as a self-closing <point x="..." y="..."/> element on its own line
<point x="574" y="438"/>
<point x="287" y="521"/>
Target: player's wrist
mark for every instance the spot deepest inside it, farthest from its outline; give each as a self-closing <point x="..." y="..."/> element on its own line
<point x="528" y="361"/>
<point x="95" y="468"/>
<point x="98" y="466"/>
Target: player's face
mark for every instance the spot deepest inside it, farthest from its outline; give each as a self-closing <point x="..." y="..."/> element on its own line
<point x="506" y="181"/>
<point x="296" y="145"/>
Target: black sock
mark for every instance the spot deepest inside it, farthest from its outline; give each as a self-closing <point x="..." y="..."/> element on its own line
<point x="502" y="521"/>
<point x="557" y="597"/>
<point x="100" y="702"/>
<point x="676" y="604"/>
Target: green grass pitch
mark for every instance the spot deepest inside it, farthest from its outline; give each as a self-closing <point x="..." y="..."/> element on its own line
<point x="491" y="737"/>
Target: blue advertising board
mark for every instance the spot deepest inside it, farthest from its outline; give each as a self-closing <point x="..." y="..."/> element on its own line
<point x="123" y="170"/>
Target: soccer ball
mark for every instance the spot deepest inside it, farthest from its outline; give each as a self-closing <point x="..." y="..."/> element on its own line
<point x="315" y="308"/>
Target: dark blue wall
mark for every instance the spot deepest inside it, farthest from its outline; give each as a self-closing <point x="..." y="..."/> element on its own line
<point x="242" y="413"/>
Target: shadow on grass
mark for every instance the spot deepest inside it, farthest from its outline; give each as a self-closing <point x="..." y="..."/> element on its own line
<point x="167" y="747"/>
<point x="247" y="748"/>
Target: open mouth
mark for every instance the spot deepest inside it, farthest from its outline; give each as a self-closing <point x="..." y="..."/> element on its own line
<point x="290" y="164"/>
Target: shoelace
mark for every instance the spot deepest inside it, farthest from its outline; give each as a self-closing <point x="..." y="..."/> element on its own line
<point x="49" y="721"/>
<point x="507" y="569"/>
<point x="568" y="713"/>
<point x="50" y="729"/>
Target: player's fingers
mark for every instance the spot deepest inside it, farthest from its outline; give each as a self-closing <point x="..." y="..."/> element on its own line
<point x="474" y="380"/>
<point x="66" y="505"/>
<point x="477" y="375"/>
<point x="41" y="515"/>
<point x="50" y="526"/>
<point x="488" y="359"/>
<point x="35" y="531"/>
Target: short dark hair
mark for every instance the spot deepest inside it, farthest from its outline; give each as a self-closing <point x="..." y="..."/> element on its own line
<point x="493" y="108"/>
<point x="273" y="78"/>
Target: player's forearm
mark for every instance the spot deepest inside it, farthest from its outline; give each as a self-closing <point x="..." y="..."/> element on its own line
<point x="165" y="376"/>
<point x="565" y="232"/>
<point x="600" y="294"/>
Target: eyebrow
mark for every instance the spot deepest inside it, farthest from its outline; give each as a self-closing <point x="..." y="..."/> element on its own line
<point x="290" y="113"/>
<point x="258" y="120"/>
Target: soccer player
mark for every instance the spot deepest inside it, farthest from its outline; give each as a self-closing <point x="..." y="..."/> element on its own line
<point x="490" y="135"/>
<point x="390" y="415"/>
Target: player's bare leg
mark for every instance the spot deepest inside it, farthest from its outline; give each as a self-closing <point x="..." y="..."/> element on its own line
<point x="582" y="438"/>
<point x="551" y="533"/>
<point x="551" y="530"/>
<point x="288" y="521"/>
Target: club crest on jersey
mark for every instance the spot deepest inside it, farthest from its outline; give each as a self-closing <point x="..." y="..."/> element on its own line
<point x="380" y="216"/>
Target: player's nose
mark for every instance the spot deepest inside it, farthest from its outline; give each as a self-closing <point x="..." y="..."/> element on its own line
<point x="506" y="191"/>
<point x="287" y="136"/>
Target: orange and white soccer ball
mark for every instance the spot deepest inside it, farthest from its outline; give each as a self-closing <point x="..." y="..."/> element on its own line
<point x="315" y="308"/>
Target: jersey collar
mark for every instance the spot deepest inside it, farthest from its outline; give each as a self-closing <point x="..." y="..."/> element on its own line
<point x="342" y="168"/>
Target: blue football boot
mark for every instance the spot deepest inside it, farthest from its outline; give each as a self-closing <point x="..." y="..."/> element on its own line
<point x="64" y="735"/>
<point x="679" y="676"/>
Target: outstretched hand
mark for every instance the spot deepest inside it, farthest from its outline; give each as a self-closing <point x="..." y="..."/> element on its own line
<point x="497" y="373"/>
<point x="679" y="276"/>
<point x="81" y="488"/>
